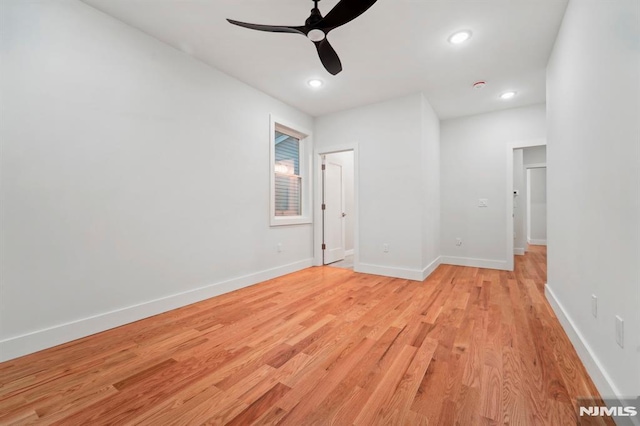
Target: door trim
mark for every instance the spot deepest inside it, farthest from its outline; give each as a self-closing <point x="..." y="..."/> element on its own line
<point x="317" y="201"/>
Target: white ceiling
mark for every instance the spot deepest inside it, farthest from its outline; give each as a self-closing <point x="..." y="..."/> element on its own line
<point x="397" y="47"/>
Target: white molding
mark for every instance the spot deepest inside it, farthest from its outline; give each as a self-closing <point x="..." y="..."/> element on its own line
<point x="536" y="166"/>
<point x="518" y="251"/>
<point x="509" y="213"/>
<point x="475" y="263"/>
<point x="348" y="252"/>
<point x="594" y="367"/>
<point x="428" y="270"/>
<point x="14" y="347"/>
<point x="535" y="242"/>
<point x="390" y="271"/>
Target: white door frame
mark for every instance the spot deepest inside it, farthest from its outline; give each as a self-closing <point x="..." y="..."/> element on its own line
<point x="527" y="229"/>
<point x="510" y="147"/>
<point x="317" y="201"/>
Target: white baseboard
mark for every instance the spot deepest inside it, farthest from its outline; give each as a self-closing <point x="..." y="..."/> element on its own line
<point x="14" y="347"/>
<point x="594" y="367"/>
<point x="474" y="262"/>
<point x="537" y="242"/>
<point x="518" y="251"/>
<point x="428" y="270"/>
<point x="348" y="252"/>
<point x="390" y="271"/>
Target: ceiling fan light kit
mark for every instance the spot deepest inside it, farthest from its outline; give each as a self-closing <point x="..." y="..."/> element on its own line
<point x="316" y="35"/>
<point x="317" y="27"/>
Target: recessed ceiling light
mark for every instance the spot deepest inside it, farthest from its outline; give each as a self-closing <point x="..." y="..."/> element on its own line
<point x="315" y="83"/>
<point x="507" y="95"/>
<point x="460" y="37"/>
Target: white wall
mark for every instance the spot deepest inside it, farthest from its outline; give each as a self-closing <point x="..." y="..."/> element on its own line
<point x="519" y="203"/>
<point x="390" y="140"/>
<point x="130" y="172"/>
<point x="535" y="155"/>
<point x="430" y="189"/>
<point x="345" y="159"/>
<point x="538" y="206"/>
<point x="473" y="166"/>
<point x="593" y="95"/>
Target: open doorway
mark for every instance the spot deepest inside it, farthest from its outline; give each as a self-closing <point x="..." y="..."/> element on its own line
<point x="529" y="198"/>
<point x="526" y="204"/>
<point x="318" y="193"/>
<point x="338" y="209"/>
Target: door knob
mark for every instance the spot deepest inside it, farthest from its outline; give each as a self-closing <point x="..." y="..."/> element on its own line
<point x="344" y="214"/>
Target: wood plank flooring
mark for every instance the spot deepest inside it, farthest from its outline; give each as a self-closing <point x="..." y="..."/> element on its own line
<point x="322" y="346"/>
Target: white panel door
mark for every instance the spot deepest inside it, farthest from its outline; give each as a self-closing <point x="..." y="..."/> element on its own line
<point x="333" y="213"/>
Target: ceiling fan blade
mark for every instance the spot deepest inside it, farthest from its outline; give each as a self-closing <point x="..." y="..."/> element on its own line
<point x="345" y="11"/>
<point x="269" y="28"/>
<point x="328" y="56"/>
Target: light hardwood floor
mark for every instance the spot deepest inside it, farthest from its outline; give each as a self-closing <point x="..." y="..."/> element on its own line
<point x="322" y="346"/>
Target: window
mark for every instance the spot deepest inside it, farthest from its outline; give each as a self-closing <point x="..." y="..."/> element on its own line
<point x="288" y="185"/>
<point x="289" y="175"/>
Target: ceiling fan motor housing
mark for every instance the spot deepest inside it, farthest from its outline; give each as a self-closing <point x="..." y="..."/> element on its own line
<point x="314" y="18"/>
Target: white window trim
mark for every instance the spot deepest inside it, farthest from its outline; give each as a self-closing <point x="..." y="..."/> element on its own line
<point x="306" y="148"/>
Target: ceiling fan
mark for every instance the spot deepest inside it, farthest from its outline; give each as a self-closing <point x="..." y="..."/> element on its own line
<point x="317" y="27"/>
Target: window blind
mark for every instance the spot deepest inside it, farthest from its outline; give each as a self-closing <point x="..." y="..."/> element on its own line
<point x="288" y="182"/>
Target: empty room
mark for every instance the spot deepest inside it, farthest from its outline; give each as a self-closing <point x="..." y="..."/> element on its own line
<point x="298" y="212"/>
